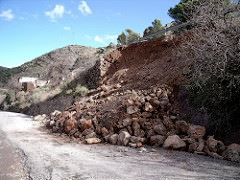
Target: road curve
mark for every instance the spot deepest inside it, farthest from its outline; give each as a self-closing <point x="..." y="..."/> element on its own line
<point x="50" y="157"/>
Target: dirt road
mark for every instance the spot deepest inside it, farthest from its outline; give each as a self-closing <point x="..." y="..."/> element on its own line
<point x="48" y="157"/>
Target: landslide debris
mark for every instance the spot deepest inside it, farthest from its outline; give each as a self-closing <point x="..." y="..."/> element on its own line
<point x="136" y="118"/>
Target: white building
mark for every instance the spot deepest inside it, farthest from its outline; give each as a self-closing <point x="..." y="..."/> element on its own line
<point x="35" y="81"/>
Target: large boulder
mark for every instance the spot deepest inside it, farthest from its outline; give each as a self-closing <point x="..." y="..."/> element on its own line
<point x="70" y="125"/>
<point x="196" y="131"/>
<point x="174" y="142"/>
<point x="195" y="146"/>
<point x="113" y="139"/>
<point x="215" y="145"/>
<point x="85" y="124"/>
<point x="232" y="153"/>
<point x="123" y="138"/>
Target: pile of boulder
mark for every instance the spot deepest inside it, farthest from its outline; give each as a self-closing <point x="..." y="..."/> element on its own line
<point x="137" y="118"/>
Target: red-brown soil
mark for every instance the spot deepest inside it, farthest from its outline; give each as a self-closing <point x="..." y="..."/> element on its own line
<point x="145" y="64"/>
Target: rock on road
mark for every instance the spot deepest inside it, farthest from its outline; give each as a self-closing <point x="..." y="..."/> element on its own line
<point x="29" y="152"/>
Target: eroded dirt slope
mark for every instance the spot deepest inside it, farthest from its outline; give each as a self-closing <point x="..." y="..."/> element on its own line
<point x="145" y="64"/>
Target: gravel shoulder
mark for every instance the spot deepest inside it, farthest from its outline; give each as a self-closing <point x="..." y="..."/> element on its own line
<point x="50" y="157"/>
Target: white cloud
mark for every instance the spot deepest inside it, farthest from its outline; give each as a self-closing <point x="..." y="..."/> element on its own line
<point x="84" y="8"/>
<point x="7" y="15"/>
<point x="105" y="39"/>
<point x="67" y="28"/>
<point x="57" y="12"/>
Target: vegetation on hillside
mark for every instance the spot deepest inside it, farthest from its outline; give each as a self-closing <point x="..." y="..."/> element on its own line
<point x="156" y="26"/>
<point x="183" y="11"/>
<point x="7" y="73"/>
<point x="215" y="49"/>
<point x="128" y="37"/>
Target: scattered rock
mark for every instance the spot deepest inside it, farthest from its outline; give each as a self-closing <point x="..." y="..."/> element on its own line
<point x="160" y="129"/>
<point x="87" y="131"/>
<point x="168" y="123"/>
<point x="196" y="131"/>
<point x="136" y="128"/>
<point x="70" y="125"/>
<point x="134" y="139"/>
<point x="55" y="113"/>
<point x="127" y="122"/>
<point x="232" y="153"/>
<point x="182" y="127"/>
<point x="215" y="145"/>
<point x="193" y="147"/>
<point x="104" y="131"/>
<point x="201" y="145"/>
<point x="91" y="135"/>
<point x="132" y="109"/>
<point x="51" y="123"/>
<point x="105" y="88"/>
<point x="93" y="140"/>
<point x="85" y="124"/>
<point x="157" y="140"/>
<point x="143" y="150"/>
<point x="148" y="107"/>
<point x="135" y="145"/>
<point x="40" y="118"/>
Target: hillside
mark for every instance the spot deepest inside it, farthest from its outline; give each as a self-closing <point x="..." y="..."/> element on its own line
<point x="4" y="75"/>
<point x="136" y="98"/>
<point x="64" y="69"/>
<point x="58" y="65"/>
<point x="138" y="104"/>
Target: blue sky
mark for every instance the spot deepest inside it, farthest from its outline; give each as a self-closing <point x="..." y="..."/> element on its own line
<point x="30" y="28"/>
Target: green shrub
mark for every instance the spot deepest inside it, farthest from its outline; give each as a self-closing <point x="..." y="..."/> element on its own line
<point x="77" y="90"/>
<point x="69" y="91"/>
<point x="80" y="90"/>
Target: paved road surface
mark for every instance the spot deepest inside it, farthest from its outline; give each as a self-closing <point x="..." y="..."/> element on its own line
<point x="49" y="157"/>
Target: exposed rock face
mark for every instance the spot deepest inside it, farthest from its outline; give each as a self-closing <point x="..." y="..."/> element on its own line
<point x="174" y="142"/>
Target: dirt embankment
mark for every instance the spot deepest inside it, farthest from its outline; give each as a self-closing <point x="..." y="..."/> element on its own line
<point x="142" y="65"/>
